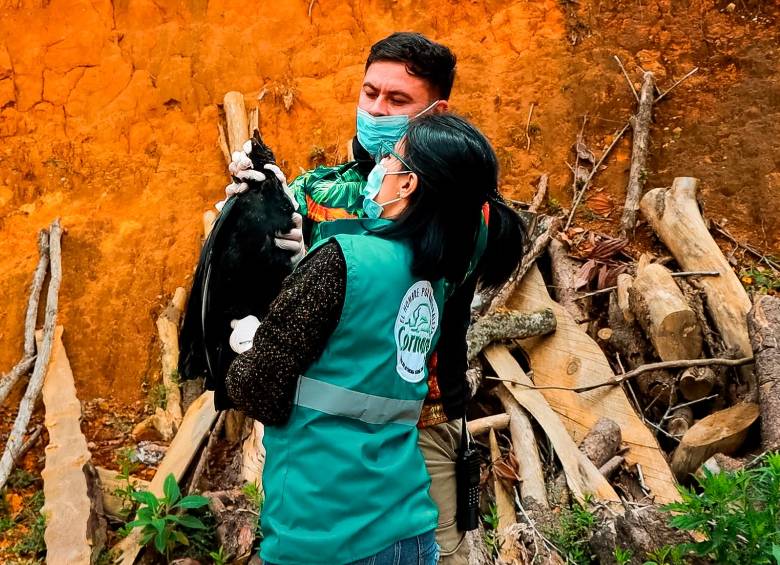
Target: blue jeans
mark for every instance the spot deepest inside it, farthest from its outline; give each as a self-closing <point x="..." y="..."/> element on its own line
<point x="419" y="550"/>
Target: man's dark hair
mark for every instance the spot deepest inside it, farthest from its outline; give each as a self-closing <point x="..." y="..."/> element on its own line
<point x="423" y="58"/>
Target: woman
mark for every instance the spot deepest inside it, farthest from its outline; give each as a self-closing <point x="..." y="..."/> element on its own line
<point x="338" y="368"/>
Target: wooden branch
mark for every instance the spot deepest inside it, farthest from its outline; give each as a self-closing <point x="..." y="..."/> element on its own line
<point x="720" y="432"/>
<point x="27" y="404"/>
<point x="764" y="325"/>
<point x="31" y="317"/>
<point x="539" y="195"/>
<point x="204" y="455"/>
<point x="608" y="469"/>
<point x="652" y="367"/>
<point x="483" y="425"/>
<point x="235" y="118"/>
<point x="537" y="248"/>
<point x="253" y="459"/>
<point x="638" y="172"/>
<point x="194" y="427"/>
<point x="209" y="217"/>
<point x="674" y="215"/>
<point x="668" y="90"/>
<point x="664" y="314"/>
<point x="508" y="324"/>
<point x="602" y="441"/>
<point x="581" y="475"/>
<point x="570" y="358"/>
<point x="75" y="527"/>
<point x="254" y="120"/>
<point x="624" y="284"/>
<point x="223" y="146"/>
<point x="505" y="505"/>
<point x="564" y="273"/>
<point x="529" y="464"/>
<point x="628" y="80"/>
<point x="528" y="127"/>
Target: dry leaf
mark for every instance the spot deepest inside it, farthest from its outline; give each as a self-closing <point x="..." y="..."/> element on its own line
<point x="601" y="204"/>
<point x="607" y="248"/>
<point x="585" y="274"/>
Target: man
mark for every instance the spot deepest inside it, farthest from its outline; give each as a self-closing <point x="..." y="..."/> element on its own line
<point x="406" y="75"/>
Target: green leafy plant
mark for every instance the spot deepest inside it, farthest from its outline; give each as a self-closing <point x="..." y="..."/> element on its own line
<point x="554" y="205"/>
<point x="622" y="556"/>
<point x="490" y="519"/>
<point x="254" y="495"/>
<point x="158" y="396"/>
<point x="573" y="532"/>
<point x="159" y="518"/>
<point x="127" y="466"/>
<point x="667" y="555"/>
<point x="219" y="556"/>
<point x="21" y="478"/>
<point x="737" y="514"/>
<point x="760" y="279"/>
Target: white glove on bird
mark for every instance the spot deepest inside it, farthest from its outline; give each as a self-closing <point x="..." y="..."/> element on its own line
<point x="243" y="333"/>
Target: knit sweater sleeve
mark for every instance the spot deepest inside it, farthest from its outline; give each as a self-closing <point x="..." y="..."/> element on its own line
<point x="262" y="381"/>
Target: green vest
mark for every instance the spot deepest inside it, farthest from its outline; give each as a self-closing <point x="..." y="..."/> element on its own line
<point x="344" y="478"/>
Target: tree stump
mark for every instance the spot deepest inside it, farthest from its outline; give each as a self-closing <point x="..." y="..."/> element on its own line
<point x="764" y="325"/>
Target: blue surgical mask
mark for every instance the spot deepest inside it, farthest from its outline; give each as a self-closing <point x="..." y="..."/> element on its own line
<point x="373" y="131"/>
<point x="373" y="184"/>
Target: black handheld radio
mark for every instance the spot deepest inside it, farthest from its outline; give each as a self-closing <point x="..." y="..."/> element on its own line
<point x="467" y="474"/>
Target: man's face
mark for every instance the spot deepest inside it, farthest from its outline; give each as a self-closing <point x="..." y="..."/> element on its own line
<point x="388" y="90"/>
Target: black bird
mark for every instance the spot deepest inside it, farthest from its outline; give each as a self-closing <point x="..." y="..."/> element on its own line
<point x="240" y="271"/>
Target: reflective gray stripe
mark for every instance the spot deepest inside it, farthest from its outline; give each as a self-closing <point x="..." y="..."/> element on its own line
<point x="339" y="401"/>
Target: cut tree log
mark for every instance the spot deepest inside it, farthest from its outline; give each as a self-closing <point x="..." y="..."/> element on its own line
<point x="629" y="342"/>
<point x="569" y="358"/>
<point x="582" y="476"/>
<point x="764" y="324"/>
<point x="31" y="317"/>
<point x="236" y="120"/>
<point x="236" y="521"/>
<point x="680" y="421"/>
<point x="529" y="464"/>
<point x="602" y="442"/>
<point x="509" y="550"/>
<point x="75" y="527"/>
<point x="697" y="382"/>
<point x="27" y="404"/>
<point x="638" y="173"/>
<point x="674" y="215"/>
<point x="483" y="425"/>
<point x="162" y="425"/>
<point x="664" y="314"/>
<point x="197" y="473"/>
<point x="110" y="482"/>
<point x="539" y="195"/>
<point x="564" y="272"/>
<point x="608" y="469"/>
<point x="721" y="432"/>
<point x="194" y="427"/>
<point x="507" y="324"/>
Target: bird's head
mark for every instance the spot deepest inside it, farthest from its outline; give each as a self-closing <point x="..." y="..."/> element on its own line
<point x="261" y="154"/>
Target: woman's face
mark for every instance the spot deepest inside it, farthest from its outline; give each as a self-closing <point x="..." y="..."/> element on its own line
<point x="395" y="186"/>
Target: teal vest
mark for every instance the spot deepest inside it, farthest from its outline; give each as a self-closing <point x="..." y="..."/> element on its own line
<point x="344" y="478"/>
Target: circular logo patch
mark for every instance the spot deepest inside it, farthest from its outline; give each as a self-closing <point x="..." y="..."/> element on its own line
<point x="415" y="326"/>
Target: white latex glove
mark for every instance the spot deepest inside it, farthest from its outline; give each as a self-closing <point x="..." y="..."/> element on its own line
<point x="293" y="240"/>
<point x="240" y="168"/>
<point x="243" y="333"/>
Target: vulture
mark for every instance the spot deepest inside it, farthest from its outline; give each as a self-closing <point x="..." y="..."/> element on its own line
<point x="240" y="271"/>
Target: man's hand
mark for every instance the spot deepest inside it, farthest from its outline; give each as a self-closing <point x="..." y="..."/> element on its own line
<point x="293" y="240"/>
<point x="243" y="333"/>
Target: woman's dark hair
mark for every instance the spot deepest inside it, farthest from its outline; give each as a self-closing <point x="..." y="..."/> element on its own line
<point x="423" y="58"/>
<point x="457" y="174"/>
